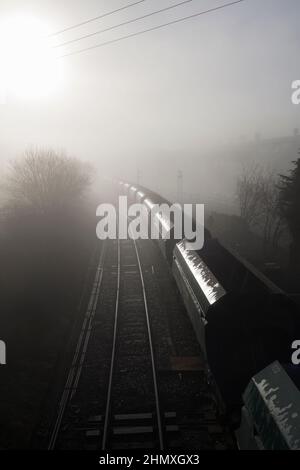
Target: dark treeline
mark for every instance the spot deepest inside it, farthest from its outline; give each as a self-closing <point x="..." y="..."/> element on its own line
<point x="267" y="230"/>
<point x="47" y="234"/>
<point x="290" y="207"/>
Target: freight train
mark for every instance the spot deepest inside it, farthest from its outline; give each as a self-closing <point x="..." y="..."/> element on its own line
<point x="245" y="326"/>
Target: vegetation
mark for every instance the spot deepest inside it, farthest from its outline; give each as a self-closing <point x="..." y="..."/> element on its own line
<point x="259" y="200"/>
<point x="269" y="223"/>
<point x="47" y="234"/>
<point x="289" y="187"/>
<point x="46" y="181"/>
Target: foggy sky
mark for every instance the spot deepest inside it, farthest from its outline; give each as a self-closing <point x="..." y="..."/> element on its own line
<point x="168" y="97"/>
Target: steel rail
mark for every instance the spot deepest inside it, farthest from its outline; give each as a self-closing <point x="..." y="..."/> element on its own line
<point x="72" y="379"/>
<point x="110" y="384"/>
<point x="157" y="404"/>
<point x="113" y="354"/>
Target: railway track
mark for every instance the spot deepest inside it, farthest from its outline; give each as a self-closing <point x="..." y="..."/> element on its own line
<point x="80" y="351"/>
<point x="136" y="380"/>
<point x="125" y="413"/>
<point x="134" y="420"/>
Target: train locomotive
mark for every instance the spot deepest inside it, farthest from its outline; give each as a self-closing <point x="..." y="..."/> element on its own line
<point x="160" y="222"/>
<point x="243" y="321"/>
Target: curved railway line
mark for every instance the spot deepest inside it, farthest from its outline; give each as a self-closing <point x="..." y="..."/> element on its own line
<point x="80" y="352"/>
<point x="137" y="378"/>
<point x="132" y="332"/>
<point x="135" y="421"/>
<point x="149" y="371"/>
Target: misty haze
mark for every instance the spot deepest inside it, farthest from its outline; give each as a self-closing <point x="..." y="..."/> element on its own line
<point x="129" y="345"/>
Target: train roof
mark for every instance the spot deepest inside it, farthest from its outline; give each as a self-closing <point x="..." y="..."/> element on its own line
<point x="202" y="274"/>
<point x="163" y="222"/>
<point x="153" y="196"/>
<point x="149" y="203"/>
<point x="141" y="193"/>
<point x="230" y="270"/>
<point x="273" y="401"/>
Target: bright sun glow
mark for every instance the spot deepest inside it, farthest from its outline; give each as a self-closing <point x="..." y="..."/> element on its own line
<point x="28" y="67"/>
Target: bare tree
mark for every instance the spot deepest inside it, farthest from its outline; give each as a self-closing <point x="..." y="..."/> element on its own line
<point x="259" y="201"/>
<point x="271" y="220"/>
<point x="249" y="193"/>
<point x="289" y="187"/>
<point x="45" y="180"/>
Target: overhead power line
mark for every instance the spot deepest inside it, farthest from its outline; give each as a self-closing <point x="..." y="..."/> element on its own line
<point x="122" y="38"/>
<point x="95" y="18"/>
<point x="156" y="12"/>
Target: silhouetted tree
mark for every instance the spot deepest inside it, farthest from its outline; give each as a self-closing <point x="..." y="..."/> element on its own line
<point x="249" y="194"/>
<point x="290" y="207"/>
<point x="47" y="181"/>
<point x="259" y="200"/>
<point x="272" y="221"/>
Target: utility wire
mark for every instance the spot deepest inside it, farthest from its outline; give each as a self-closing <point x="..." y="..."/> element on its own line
<point x="122" y="24"/>
<point x="69" y="28"/>
<point x="122" y="38"/>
